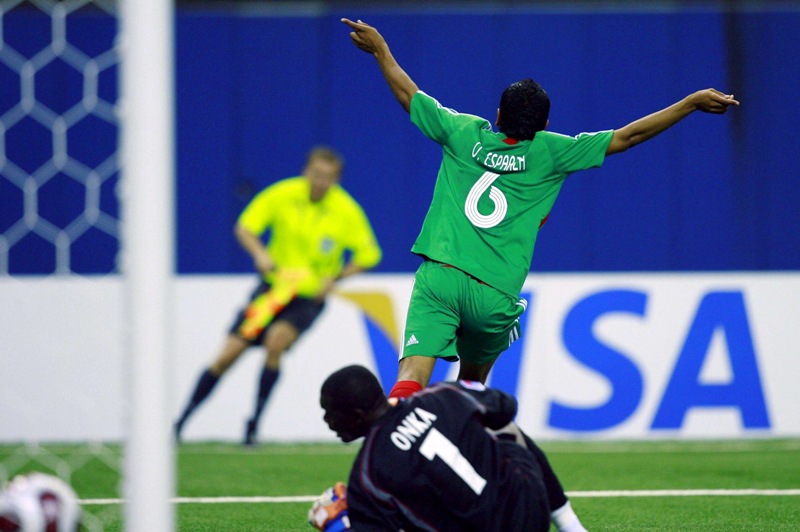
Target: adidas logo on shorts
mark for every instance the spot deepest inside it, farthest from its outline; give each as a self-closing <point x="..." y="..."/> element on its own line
<point x="412" y="341"/>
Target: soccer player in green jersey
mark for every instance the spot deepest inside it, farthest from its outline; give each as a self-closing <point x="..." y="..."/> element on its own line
<point x="493" y="192"/>
<point x="313" y="223"/>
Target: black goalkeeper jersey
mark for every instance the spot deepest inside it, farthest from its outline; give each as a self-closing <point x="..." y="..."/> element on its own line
<point x="430" y="464"/>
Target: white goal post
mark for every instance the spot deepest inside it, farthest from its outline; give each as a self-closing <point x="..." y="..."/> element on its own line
<point x="148" y="166"/>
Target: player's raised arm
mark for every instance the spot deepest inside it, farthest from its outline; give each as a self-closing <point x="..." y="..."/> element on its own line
<point x="368" y="39"/>
<point x="638" y="131"/>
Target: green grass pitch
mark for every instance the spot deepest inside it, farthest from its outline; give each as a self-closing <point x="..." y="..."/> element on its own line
<point x="616" y="486"/>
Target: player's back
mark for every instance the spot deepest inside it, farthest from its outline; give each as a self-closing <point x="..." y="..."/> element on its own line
<point x="430" y="464"/>
<point x="493" y="192"/>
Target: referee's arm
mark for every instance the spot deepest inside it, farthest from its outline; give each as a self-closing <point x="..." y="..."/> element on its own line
<point x="255" y="247"/>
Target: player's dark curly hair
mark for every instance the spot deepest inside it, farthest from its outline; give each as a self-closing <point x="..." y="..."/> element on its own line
<point x="524" y="108"/>
<point x="354" y="387"/>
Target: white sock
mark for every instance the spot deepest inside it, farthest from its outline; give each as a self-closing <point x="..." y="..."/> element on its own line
<point x="566" y="520"/>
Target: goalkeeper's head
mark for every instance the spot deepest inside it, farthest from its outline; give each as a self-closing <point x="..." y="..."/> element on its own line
<point x="352" y="399"/>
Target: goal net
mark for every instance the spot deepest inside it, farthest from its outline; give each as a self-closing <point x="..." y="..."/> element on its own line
<point x="68" y="388"/>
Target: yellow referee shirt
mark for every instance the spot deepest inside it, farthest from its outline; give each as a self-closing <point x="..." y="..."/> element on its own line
<point x="308" y="241"/>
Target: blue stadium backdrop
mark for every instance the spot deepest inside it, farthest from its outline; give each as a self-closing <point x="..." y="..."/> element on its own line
<point x="712" y="194"/>
<point x="255" y="92"/>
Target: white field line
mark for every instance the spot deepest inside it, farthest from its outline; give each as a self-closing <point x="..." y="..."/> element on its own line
<point x="684" y="493"/>
<point x="573" y="494"/>
<point x="685" y="447"/>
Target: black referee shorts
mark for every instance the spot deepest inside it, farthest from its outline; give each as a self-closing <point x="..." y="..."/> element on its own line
<point x="301" y="312"/>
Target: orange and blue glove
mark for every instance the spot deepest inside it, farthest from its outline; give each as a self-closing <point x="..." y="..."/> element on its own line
<point x="329" y="511"/>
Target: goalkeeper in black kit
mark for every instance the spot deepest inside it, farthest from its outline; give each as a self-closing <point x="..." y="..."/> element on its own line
<point x="446" y="458"/>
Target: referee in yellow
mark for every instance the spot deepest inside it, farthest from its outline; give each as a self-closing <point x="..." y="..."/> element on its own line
<point x="313" y="224"/>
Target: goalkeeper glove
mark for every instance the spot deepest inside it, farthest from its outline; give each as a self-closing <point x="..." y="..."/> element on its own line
<point x="329" y="511"/>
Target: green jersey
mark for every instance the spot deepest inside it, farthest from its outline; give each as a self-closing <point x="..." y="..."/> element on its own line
<point x="493" y="192"/>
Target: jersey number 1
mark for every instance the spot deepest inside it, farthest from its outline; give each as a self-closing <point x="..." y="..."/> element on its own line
<point x="485" y="221"/>
<point x="437" y="444"/>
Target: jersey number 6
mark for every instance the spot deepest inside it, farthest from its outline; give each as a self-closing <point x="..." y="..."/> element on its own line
<point x="485" y="221"/>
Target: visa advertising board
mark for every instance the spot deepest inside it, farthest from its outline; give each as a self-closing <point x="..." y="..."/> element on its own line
<point x="602" y="356"/>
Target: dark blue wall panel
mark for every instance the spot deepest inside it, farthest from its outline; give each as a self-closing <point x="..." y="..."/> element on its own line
<point x="713" y="193"/>
<point x="255" y="92"/>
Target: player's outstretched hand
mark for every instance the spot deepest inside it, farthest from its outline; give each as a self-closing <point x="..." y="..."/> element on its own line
<point x="365" y="36"/>
<point x="329" y="511"/>
<point x="713" y="101"/>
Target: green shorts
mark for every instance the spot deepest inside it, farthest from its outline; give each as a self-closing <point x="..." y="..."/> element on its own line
<point x="453" y="315"/>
